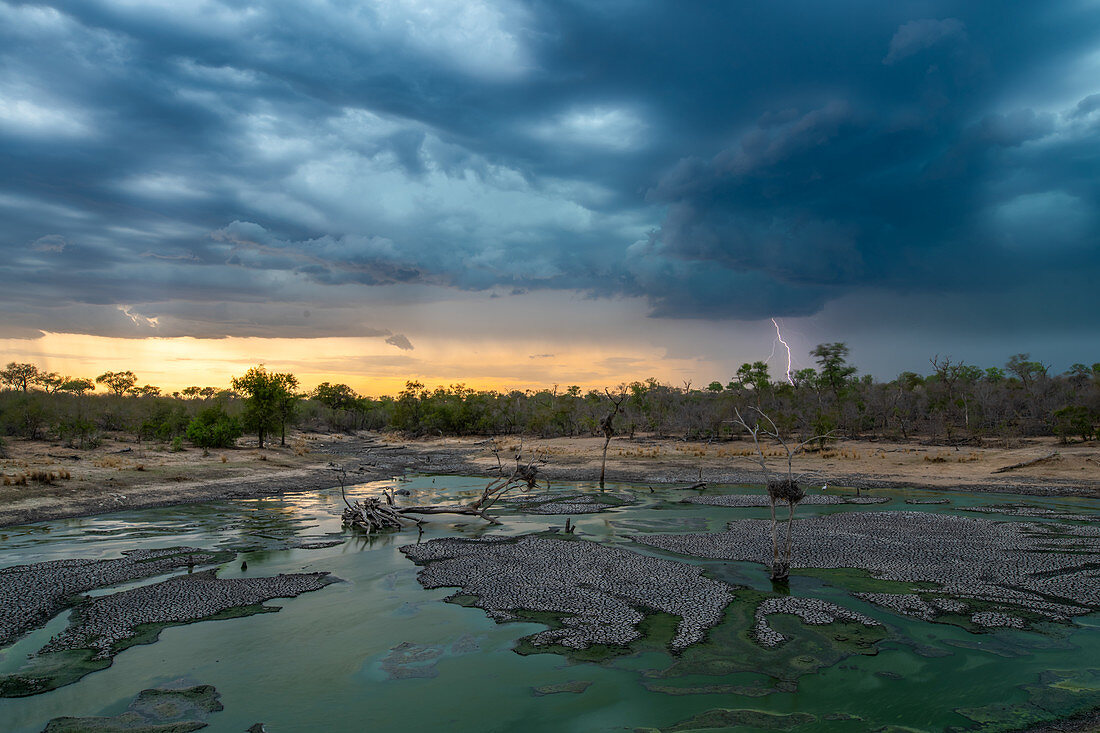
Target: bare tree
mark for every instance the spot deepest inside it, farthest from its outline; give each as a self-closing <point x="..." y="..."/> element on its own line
<point x="781" y="486"/>
<point x="608" y="427"/>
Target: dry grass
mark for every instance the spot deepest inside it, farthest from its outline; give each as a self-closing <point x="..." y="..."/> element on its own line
<point x="36" y="476"/>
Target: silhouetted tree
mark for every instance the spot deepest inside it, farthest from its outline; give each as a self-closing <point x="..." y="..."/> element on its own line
<point x="19" y="376"/>
<point x="118" y="382"/>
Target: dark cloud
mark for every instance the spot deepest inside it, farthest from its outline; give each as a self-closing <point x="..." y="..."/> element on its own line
<point x="220" y="169"/>
<point x="918" y="35"/>
<point x="400" y="341"/>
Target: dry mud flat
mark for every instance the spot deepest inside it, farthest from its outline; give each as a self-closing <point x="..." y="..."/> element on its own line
<point x="118" y="475"/>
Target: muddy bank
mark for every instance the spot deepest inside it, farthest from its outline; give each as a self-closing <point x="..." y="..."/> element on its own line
<point x="148" y="478"/>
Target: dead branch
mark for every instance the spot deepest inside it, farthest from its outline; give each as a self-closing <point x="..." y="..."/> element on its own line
<point x="779" y="487"/>
<point x="1032" y="462"/>
<point x="371" y="514"/>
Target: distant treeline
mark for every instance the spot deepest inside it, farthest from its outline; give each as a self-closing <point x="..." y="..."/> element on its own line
<point x="955" y="403"/>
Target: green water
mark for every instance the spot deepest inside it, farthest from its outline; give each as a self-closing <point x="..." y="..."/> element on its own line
<point x="318" y="664"/>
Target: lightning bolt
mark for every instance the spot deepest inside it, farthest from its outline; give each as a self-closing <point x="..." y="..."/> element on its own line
<point x="779" y="337"/>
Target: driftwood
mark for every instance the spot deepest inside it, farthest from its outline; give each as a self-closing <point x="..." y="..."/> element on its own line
<point x="373" y="514"/>
<point x="1032" y="462"/>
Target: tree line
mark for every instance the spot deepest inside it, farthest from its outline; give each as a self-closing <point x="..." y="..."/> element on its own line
<point x="954" y="403"/>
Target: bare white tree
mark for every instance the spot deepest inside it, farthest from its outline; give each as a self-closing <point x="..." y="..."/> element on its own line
<point x="781" y="486"/>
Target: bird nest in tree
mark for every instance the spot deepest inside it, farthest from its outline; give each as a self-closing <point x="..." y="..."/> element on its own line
<point x="785" y="490"/>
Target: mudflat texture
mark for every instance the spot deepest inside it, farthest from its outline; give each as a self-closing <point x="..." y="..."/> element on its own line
<point x="1052" y="571"/>
<point x="30" y="595"/>
<point x="108" y="623"/>
<point x="596" y="590"/>
<point x="759" y="500"/>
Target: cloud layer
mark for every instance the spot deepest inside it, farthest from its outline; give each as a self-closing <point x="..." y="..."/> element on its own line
<point x="220" y="168"/>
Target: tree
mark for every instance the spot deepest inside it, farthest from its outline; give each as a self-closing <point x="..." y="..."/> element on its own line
<point x="780" y="487"/>
<point x="213" y="428"/>
<point x="118" y="382"/>
<point x="608" y="427"/>
<point x="77" y="386"/>
<point x="50" y="381"/>
<point x="147" y="390"/>
<point x="834" y="368"/>
<point x="1073" y="420"/>
<point x="755" y="377"/>
<point x="336" y="396"/>
<point x="191" y="392"/>
<point x="1026" y="370"/>
<point x="268" y="399"/>
<point x="286" y="402"/>
<point x="19" y="376"/>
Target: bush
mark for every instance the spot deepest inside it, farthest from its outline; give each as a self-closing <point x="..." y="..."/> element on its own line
<point x="1073" y="420"/>
<point x="214" y="428"/>
<point x="164" y="423"/>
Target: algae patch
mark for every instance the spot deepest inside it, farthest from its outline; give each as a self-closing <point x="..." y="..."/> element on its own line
<point x="152" y="711"/>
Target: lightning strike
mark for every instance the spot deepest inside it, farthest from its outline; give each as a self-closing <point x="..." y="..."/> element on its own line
<point x="779" y="337"/>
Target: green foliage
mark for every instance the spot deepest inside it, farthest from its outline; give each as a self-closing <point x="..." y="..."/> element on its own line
<point x="27" y="416"/>
<point x="754" y="376"/>
<point x="1026" y="370"/>
<point x="335" y="396"/>
<point x="164" y="422"/>
<point x="214" y="428"/>
<point x="118" y="382"/>
<point x="1074" y="420"/>
<point x="832" y="359"/>
<point x="270" y="400"/>
<point x="76" y="431"/>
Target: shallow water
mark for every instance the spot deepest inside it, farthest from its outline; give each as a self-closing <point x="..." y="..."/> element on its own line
<point x="319" y="663"/>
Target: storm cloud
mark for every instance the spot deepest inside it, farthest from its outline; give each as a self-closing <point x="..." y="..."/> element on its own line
<point x="231" y="168"/>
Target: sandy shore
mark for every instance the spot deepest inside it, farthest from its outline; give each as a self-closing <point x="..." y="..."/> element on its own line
<point x="123" y="475"/>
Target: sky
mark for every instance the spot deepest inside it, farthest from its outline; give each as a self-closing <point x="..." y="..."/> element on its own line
<point x="510" y="193"/>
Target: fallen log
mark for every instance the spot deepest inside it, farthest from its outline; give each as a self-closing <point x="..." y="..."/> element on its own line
<point x="1024" y="464"/>
<point x="371" y="514"/>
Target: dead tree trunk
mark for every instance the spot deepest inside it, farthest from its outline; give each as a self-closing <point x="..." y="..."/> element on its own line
<point x="608" y="427"/>
<point x="779" y="487"/>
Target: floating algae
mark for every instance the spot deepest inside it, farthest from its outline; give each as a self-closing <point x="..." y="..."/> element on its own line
<point x="152" y="711"/>
<point x="724" y="718"/>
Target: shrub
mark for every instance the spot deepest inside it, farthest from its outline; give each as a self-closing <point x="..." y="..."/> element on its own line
<point x="164" y="423"/>
<point x="214" y="428"/>
<point x="1073" y="420"/>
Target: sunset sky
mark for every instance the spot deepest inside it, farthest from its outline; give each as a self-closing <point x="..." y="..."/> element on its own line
<point x="511" y="194"/>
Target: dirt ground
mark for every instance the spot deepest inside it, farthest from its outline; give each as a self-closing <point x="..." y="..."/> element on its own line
<point x="43" y="480"/>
